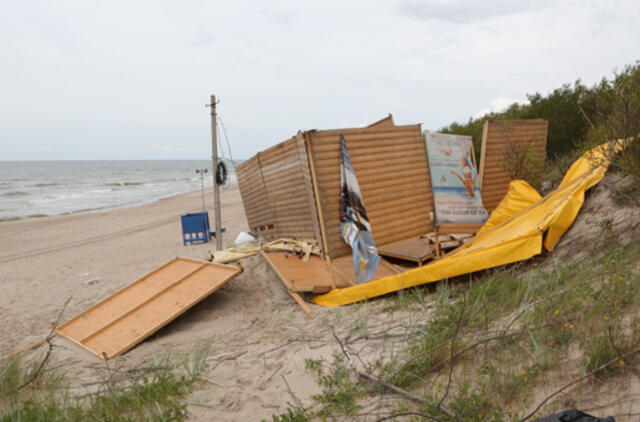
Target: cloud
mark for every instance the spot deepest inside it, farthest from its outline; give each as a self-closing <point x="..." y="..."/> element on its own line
<point x="464" y="11"/>
<point x="202" y="38"/>
<point x="498" y="105"/>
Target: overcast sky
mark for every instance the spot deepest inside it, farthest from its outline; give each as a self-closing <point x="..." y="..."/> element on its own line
<point x="130" y="79"/>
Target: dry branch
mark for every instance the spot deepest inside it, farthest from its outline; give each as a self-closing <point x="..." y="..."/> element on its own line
<point x="577" y="380"/>
<point x="48" y="339"/>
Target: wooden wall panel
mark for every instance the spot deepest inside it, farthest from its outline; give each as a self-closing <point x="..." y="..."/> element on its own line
<point x="259" y="212"/>
<point x="287" y="180"/>
<point x="528" y="136"/>
<point x="277" y="192"/>
<point x="119" y="322"/>
<point x="391" y="166"/>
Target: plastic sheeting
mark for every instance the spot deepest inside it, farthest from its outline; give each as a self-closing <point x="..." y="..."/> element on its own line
<point x="573" y="415"/>
<point x="354" y="223"/>
<point x="516" y="232"/>
<point x="304" y="246"/>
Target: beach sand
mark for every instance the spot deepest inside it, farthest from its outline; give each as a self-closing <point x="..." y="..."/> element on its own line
<point x="252" y="316"/>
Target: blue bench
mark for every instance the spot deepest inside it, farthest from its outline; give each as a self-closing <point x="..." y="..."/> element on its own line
<point x="195" y="228"/>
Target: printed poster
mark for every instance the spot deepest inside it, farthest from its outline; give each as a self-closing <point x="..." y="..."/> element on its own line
<point x="456" y="194"/>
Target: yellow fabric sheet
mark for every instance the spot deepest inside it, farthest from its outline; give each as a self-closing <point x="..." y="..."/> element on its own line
<point x="515" y="233"/>
<point x="519" y="196"/>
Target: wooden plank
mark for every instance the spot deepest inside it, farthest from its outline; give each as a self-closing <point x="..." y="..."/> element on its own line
<point x="368" y="147"/>
<point x="305" y="168"/>
<point x="366" y="133"/>
<point x="372" y="150"/>
<point x="305" y="307"/>
<point x="287" y="284"/>
<point x="386" y="121"/>
<point x="345" y="266"/>
<point x="455" y="228"/>
<point x="297" y="275"/>
<point x="314" y="179"/>
<point x="121" y="321"/>
<point x="415" y="250"/>
<point x="485" y="132"/>
<point x="343" y="275"/>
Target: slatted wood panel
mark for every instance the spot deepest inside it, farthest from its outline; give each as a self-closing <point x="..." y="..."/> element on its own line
<point x="277" y="192"/>
<point x="260" y="214"/>
<point x="456" y="228"/>
<point x="391" y="166"/>
<point x="528" y="136"/>
<point x="285" y="169"/>
<point x="132" y="314"/>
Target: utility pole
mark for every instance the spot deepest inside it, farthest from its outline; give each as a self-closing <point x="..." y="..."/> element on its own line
<point x="216" y="188"/>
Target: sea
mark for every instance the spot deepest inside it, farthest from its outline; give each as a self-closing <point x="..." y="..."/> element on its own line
<point x="43" y="188"/>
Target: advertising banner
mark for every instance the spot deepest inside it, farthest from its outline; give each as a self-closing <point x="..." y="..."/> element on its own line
<point x="456" y="195"/>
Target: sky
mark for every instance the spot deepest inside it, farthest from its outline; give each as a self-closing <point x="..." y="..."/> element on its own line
<point x="107" y="80"/>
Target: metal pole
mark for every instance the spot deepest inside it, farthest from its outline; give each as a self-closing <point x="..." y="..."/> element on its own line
<point x="216" y="188"/>
<point x="201" y="172"/>
<point x="202" y="186"/>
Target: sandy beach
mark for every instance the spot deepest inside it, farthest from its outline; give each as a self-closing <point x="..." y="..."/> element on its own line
<point x="252" y="316"/>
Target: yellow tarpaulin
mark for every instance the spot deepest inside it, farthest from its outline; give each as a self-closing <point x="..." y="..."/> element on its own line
<point x="514" y="232"/>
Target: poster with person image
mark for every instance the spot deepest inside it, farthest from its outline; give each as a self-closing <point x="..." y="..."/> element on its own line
<point x="456" y="194"/>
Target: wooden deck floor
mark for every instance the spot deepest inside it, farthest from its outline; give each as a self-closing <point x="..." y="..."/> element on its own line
<point x="314" y="275"/>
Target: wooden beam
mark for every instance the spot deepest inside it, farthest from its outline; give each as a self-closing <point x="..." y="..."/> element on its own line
<point x="305" y="307"/>
<point x="287" y="284"/>
<point x="483" y="151"/>
<point x="323" y="230"/>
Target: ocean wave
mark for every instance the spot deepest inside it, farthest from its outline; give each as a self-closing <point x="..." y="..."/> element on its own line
<point x="44" y="185"/>
<point x="124" y="184"/>
<point x="15" y="193"/>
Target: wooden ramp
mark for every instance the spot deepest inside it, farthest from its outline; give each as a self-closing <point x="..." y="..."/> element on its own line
<point x="119" y="322"/>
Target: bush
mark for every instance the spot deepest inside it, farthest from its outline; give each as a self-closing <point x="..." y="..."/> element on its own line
<point x="577" y="114"/>
<point x="617" y="119"/>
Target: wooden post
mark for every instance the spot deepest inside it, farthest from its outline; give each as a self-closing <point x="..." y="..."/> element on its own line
<point x="323" y="231"/>
<point x="436" y="228"/>
<point x="216" y="188"/>
<point x="483" y="153"/>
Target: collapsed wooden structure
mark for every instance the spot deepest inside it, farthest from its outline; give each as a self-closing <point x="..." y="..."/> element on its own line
<point x="293" y="190"/>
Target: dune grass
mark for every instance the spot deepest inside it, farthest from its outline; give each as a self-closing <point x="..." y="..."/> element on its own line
<point x="155" y="392"/>
<point x="494" y="348"/>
